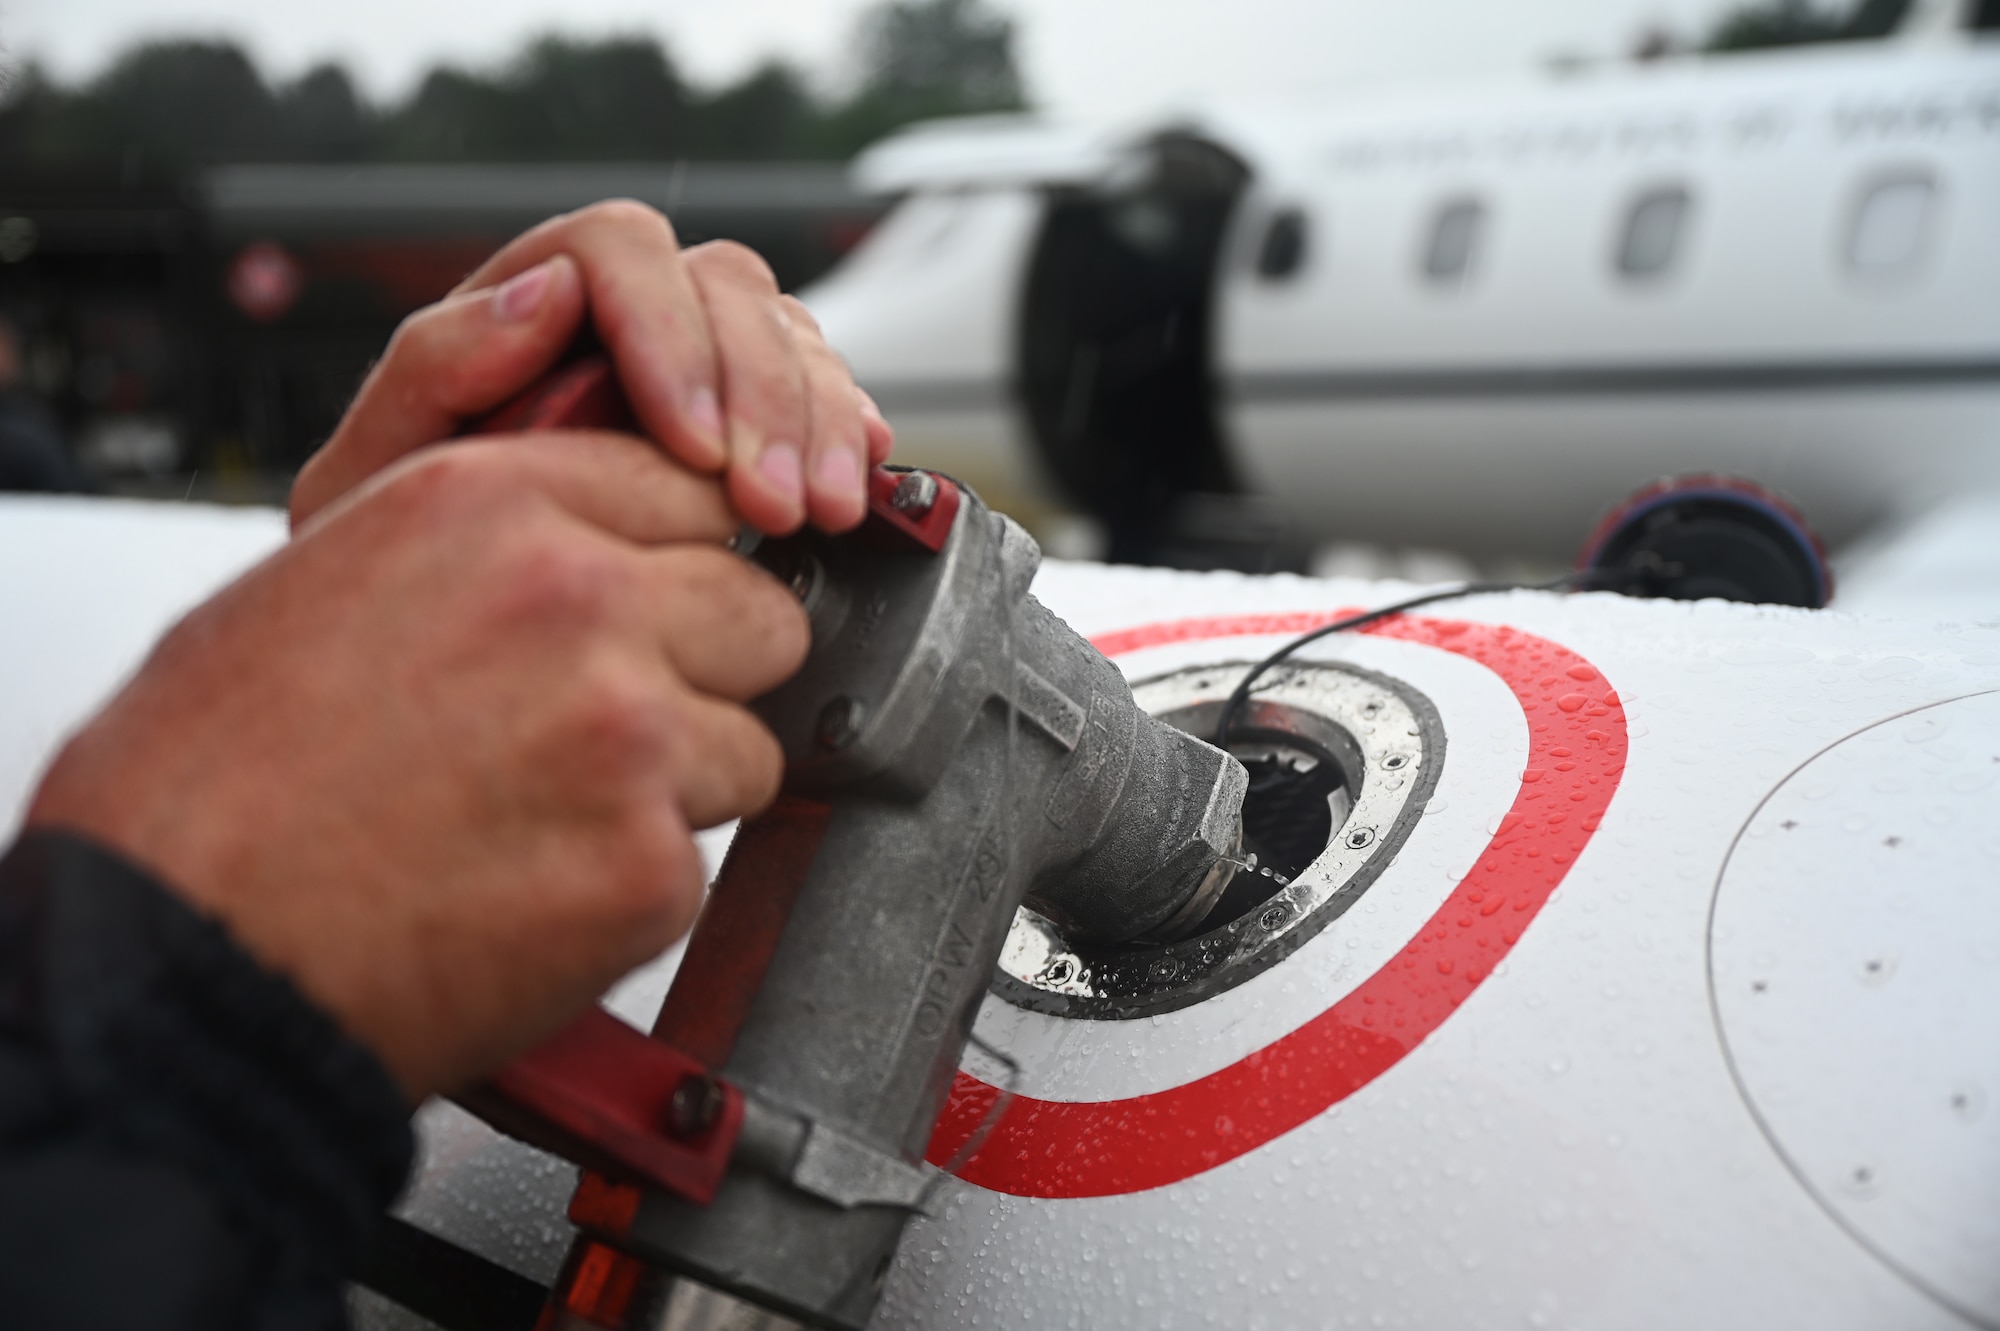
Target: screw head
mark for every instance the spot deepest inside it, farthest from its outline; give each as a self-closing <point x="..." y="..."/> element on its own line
<point x="915" y="493"/>
<point x="797" y="569"/>
<point x="1395" y="760"/>
<point x="696" y="1105"/>
<point x="1273" y="918"/>
<point x="804" y="576"/>
<point x="1361" y="838"/>
<point x="840" y="722"/>
<point x="1061" y="971"/>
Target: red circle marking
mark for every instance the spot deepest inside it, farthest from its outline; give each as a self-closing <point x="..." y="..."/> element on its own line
<point x="1576" y="755"/>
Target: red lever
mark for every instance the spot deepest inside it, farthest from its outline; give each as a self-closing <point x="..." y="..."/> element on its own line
<point x="603" y="1095"/>
<point x="582" y="394"/>
<point x="909" y="509"/>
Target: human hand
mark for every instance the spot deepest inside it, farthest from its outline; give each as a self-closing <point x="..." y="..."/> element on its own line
<point x="438" y="759"/>
<point x="723" y="371"/>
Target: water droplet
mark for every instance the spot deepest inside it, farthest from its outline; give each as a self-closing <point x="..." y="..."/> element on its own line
<point x="1891" y="667"/>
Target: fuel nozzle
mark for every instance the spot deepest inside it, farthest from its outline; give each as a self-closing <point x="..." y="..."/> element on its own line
<point x="952" y="750"/>
<point x="1138" y="822"/>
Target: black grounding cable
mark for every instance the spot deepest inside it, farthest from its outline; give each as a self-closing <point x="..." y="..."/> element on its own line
<point x="1241" y="694"/>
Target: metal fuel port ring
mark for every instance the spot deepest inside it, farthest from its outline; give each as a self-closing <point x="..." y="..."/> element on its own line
<point x="1366" y="749"/>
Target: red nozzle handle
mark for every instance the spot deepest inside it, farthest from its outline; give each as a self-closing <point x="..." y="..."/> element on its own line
<point x="579" y="394"/>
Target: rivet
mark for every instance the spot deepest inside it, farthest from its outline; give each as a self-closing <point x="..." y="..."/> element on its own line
<point x="840" y="722"/>
<point x="696" y="1104"/>
<point x="915" y="493"/>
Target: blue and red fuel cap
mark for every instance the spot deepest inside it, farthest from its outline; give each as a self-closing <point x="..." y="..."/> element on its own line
<point x="1690" y="537"/>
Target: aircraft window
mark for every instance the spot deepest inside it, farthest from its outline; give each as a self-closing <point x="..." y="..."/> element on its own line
<point x="1284" y="249"/>
<point x="1653" y="229"/>
<point x="1453" y="242"/>
<point x="1890" y="226"/>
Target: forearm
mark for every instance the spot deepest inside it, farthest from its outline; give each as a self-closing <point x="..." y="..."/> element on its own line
<point x="184" y="1140"/>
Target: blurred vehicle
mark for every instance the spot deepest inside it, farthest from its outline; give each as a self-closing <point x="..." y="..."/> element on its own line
<point x="206" y="337"/>
<point x="369" y="244"/>
<point x="33" y="455"/>
<point x="99" y="278"/>
<point x="1465" y="319"/>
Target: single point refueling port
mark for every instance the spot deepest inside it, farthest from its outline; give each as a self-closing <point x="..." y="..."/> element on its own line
<point x="1300" y="794"/>
<point x="1689" y="537"/>
<point x="1341" y="763"/>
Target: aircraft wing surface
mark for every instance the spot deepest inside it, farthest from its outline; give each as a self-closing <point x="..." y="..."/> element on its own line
<point x="1645" y="979"/>
<point x="1945" y="565"/>
<point x="86" y="586"/>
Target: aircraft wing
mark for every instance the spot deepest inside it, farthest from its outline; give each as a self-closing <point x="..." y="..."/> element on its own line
<point x="86" y="587"/>
<point x="1644" y="979"/>
<point x="1942" y="565"/>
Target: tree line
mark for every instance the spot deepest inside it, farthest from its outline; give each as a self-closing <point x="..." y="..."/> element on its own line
<point x="163" y="107"/>
<point x="167" y="106"/>
<point x="1800" y="22"/>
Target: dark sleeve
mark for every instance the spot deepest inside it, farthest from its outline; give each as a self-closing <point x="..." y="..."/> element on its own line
<point x="185" y="1141"/>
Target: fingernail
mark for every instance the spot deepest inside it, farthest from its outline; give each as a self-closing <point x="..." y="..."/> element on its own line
<point x="521" y="295"/>
<point x="868" y="407"/>
<point x="838" y="472"/>
<point x="705" y="412"/>
<point x="779" y="466"/>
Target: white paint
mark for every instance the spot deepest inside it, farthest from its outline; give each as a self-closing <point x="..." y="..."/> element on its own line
<point x="1855" y="959"/>
<point x="936" y="282"/>
<point x="1945" y="566"/>
<point x="1568" y="1149"/>
<point x="932" y="295"/>
<point x="1762" y="277"/>
<point x="86" y="586"/>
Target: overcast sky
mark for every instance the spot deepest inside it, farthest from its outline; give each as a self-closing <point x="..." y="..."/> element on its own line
<point x="1087" y="57"/>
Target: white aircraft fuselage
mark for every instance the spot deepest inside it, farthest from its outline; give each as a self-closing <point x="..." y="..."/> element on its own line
<point x="1469" y="320"/>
